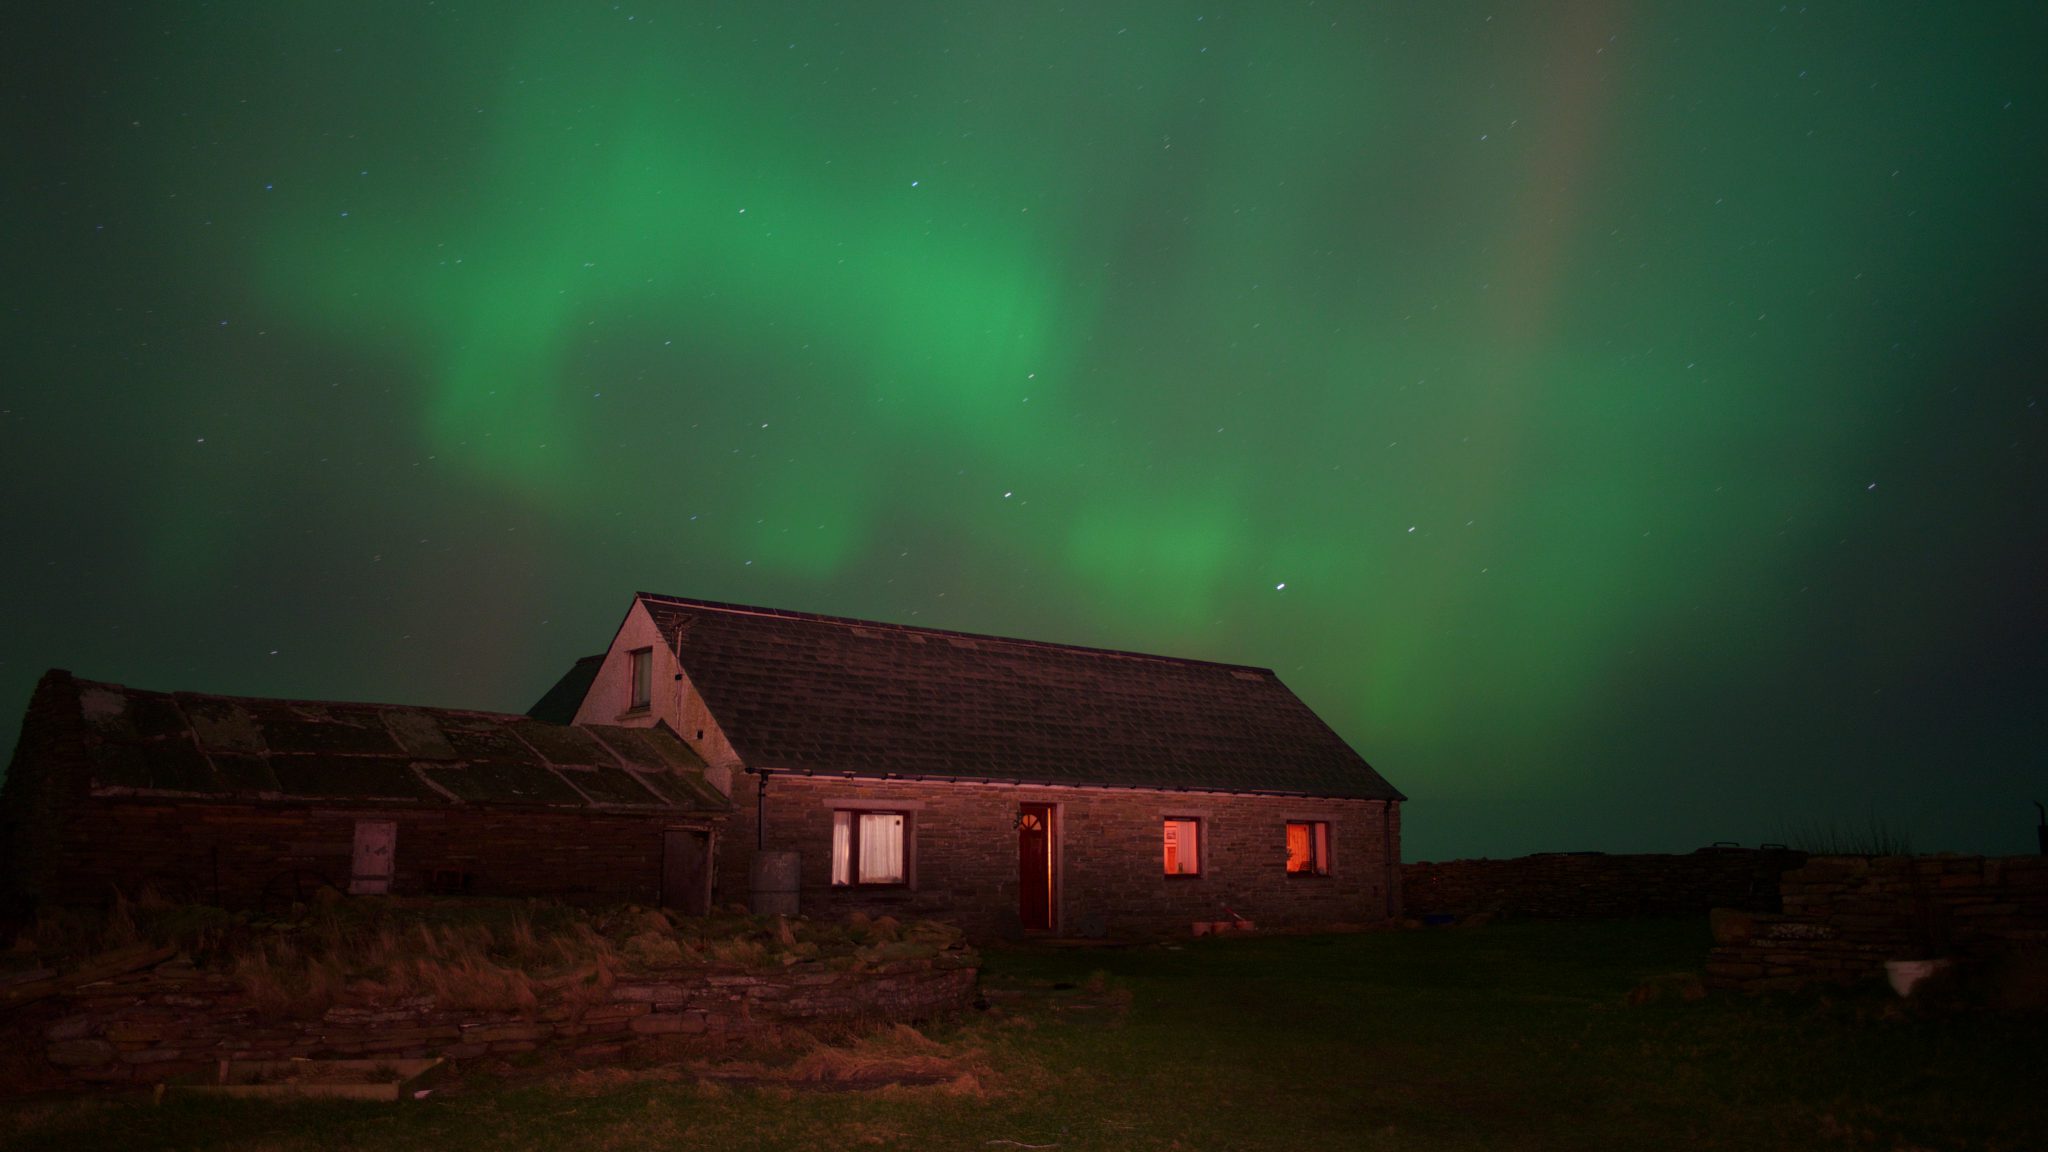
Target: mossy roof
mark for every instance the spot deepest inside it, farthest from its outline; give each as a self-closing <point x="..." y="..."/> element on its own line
<point x="140" y="742"/>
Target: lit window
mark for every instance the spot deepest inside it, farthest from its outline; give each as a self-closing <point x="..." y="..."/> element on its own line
<point x="867" y="848"/>
<point x="1183" y="847"/>
<point x="643" y="678"/>
<point x="1308" y="848"/>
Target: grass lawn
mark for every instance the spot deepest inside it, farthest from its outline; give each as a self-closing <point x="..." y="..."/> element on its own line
<point x="1505" y="1037"/>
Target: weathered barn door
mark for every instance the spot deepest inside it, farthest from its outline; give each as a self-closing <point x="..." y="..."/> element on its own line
<point x="375" y="850"/>
<point x="1034" y="866"/>
<point x="686" y="870"/>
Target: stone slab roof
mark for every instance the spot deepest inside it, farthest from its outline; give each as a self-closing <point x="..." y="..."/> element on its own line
<point x="829" y="695"/>
<point x="228" y="747"/>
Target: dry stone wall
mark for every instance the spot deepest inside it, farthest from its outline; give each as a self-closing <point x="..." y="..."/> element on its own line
<point x="179" y="1021"/>
<point x="1595" y="885"/>
<point x="1844" y="916"/>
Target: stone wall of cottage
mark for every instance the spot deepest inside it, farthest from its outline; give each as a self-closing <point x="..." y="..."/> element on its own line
<point x="178" y="1021"/>
<point x="1844" y="916"/>
<point x="1109" y="869"/>
<point x="236" y="854"/>
<point x="1595" y="885"/>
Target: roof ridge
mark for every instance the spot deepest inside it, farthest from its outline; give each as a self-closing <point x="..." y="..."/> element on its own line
<point x="856" y="622"/>
<point x="177" y="693"/>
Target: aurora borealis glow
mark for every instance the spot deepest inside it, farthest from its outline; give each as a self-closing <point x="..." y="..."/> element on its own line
<point x="1641" y="404"/>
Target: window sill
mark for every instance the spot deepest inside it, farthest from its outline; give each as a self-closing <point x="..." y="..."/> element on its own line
<point x="1308" y="875"/>
<point x="1183" y="875"/>
<point x="634" y="713"/>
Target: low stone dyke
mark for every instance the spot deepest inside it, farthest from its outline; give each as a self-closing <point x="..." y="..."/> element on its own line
<point x="1596" y="885"/>
<point x="1844" y="916"/>
<point x="178" y="1021"/>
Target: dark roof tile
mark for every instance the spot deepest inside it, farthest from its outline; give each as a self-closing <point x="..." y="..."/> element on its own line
<point x="825" y="694"/>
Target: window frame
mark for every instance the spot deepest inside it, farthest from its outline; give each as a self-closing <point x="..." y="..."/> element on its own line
<point x="634" y="662"/>
<point x="1201" y="846"/>
<point x="854" y="882"/>
<point x="1318" y="849"/>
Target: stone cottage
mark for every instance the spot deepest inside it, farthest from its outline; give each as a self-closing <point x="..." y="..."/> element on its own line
<point x="238" y="802"/>
<point x="1013" y="786"/>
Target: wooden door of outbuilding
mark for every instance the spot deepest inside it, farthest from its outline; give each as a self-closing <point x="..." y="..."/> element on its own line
<point x="686" y="870"/>
<point x="376" y="852"/>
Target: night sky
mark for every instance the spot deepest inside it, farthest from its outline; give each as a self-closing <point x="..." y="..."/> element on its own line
<point x="1624" y="423"/>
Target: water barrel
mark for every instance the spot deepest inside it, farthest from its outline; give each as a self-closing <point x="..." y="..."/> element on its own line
<point x="773" y="880"/>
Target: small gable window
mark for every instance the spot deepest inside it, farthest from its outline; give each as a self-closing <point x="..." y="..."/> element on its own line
<point x="642" y="692"/>
<point x="1183" y="846"/>
<point x="1308" y="848"/>
<point x="867" y="847"/>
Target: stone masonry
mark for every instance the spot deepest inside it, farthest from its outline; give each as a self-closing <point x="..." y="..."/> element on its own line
<point x="1846" y="915"/>
<point x="1109" y="877"/>
<point x="229" y="854"/>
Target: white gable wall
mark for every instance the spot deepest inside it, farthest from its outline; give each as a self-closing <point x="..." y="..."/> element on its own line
<point x="611" y="691"/>
<point x="671" y="698"/>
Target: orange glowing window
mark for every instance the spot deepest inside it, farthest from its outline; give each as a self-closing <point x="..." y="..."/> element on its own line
<point x="1308" y="848"/>
<point x="1183" y="846"/>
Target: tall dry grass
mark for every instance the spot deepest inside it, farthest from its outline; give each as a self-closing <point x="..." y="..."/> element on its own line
<point x="489" y="955"/>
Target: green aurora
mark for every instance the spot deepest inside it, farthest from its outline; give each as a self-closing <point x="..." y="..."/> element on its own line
<point x="1622" y="422"/>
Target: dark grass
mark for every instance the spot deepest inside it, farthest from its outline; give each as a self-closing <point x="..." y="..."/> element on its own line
<point x="1507" y="1037"/>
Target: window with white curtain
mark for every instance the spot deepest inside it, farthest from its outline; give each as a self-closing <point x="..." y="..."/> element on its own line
<point x="1183" y="847"/>
<point x="867" y="847"/>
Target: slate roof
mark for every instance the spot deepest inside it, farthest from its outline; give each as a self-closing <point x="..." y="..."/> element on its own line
<point x="829" y="695"/>
<point x="559" y="703"/>
<point x="186" y="744"/>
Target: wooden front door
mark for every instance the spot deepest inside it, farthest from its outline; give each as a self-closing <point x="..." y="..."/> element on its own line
<point x="686" y="870"/>
<point x="1034" y="866"/>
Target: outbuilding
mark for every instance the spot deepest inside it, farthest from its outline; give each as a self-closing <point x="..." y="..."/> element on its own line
<point x="239" y="801"/>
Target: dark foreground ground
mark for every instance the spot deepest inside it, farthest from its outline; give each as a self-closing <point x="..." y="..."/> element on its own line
<point x="1505" y="1037"/>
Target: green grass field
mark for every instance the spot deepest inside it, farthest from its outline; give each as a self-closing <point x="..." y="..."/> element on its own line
<point x="1506" y="1037"/>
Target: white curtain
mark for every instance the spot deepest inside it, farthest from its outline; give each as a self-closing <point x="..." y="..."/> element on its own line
<point x="842" y="854"/>
<point x="881" y="848"/>
<point x="1182" y="855"/>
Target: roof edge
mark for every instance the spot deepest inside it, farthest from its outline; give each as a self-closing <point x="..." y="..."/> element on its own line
<point x="179" y="693"/>
<point x="856" y="622"/>
<point x="1023" y="782"/>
